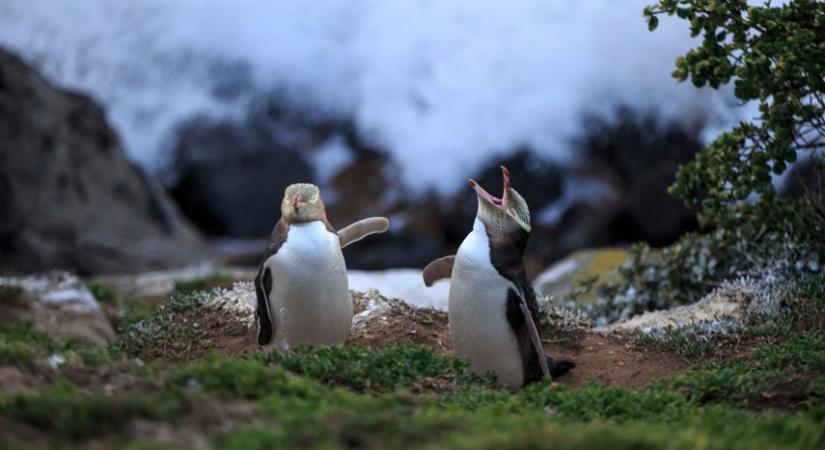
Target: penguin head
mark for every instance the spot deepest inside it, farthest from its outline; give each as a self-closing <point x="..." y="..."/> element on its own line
<point x="508" y="213"/>
<point x="302" y="203"/>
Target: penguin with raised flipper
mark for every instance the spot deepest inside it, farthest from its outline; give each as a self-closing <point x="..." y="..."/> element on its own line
<point x="302" y="288"/>
<point x="492" y="302"/>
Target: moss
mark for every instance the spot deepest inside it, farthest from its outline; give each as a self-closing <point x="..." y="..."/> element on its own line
<point x="361" y="368"/>
<point x="800" y="353"/>
<point x="163" y="328"/>
<point x="206" y="283"/>
<point x="21" y="344"/>
<point x="302" y="404"/>
<point x="71" y="414"/>
<point x="16" y="353"/>
<point x="124" y="311"/>
<point x="591" y="417"/>
<point x="103" y="293"/>
<point x="353" y="397"/>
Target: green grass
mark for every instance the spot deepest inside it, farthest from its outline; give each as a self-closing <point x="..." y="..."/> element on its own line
<point x="353" y="397"/>
<point x="800" y="353"/>
<point x="72" y="414"/>
<point x="21" y="344"/>
<point x="206" y="283"/>
<point x="302" y="401"/>
<point x="124" y="311"/>
<point x="382" y="368"/>
<point x="682" y="341"/>
<point x="162" y="328"/>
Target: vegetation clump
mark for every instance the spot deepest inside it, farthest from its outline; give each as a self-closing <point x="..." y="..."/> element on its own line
<point x="774" y="241"/>
<point x="167" y="326"/>
<point x="773" y="54"/>
<point x="206" y="283"/>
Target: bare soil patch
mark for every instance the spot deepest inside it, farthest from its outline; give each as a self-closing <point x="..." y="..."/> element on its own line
<point x="610" y="360"/>
<point x="395" y="322"/>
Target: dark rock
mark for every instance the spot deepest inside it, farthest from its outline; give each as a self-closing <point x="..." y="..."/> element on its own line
<point x="229" y="176"/>
<point x="650" y="213"/>
<point x="806" y="175"/>
<point x="537" y="181"/>
<point x="644" y="154"/>
<point x="69" y="197"/>
<point x="230" y="181"/>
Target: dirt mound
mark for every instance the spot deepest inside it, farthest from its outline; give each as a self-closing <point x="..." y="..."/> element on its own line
<point x="610" y="361"/>
<point x="226" y="325"/>
<point x="381" y="321"/>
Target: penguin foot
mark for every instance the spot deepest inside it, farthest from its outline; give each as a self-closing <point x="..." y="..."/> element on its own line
<point x="559" y="367"/>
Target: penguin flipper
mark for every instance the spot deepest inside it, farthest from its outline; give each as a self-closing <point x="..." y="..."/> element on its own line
<point x="263" y="285"/>
<point x="438" y="269"/>
<point x="535" y="338"/>
<point x="361" y="229"/>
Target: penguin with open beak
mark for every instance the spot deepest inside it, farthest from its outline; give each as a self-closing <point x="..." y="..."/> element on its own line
<point x="492" y="304"/>
<point x="302" y="287"/>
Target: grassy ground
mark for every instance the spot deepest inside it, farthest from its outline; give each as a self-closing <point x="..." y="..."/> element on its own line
<point x="765" y="391"/>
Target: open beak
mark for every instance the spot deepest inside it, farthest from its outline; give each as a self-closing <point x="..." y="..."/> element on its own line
<point x="489" y="198"/>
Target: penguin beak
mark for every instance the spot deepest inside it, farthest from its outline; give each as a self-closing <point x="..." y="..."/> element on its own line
<point x="489" y="198"/>
<point x="297" y="202"/>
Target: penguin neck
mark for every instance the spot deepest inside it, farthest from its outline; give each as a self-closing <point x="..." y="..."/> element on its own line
<point x="480" y="228"/>
<point x="505" y="249"/>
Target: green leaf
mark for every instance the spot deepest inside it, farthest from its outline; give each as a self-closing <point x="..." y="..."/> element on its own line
<point x="652" y="23"/>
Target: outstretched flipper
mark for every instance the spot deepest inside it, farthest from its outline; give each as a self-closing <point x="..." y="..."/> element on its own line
<point x="361" y="229"/>
<point x="438" y="269"/>
<point x="263" y="285"/>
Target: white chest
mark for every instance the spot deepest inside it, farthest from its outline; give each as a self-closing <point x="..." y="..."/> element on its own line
<point x="310" y="298"/>
<point x="477" y="311"/>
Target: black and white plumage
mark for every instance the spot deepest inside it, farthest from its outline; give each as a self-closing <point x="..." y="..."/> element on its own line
<point x="492" y="302"/>
<point x="301" y="287"/>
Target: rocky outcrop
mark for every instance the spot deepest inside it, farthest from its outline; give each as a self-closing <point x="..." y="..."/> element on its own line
<point x="230" y="180"/>
<point x="69" y="198"/>
<point x="584" y="268"/>
<point x="57" y="304"/>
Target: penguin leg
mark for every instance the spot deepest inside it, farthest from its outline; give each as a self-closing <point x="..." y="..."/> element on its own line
<point x="559" y="367"/>
<point x="361" y="229"/>
<point x="263" y="285"/>
<point x="438" y="269"/>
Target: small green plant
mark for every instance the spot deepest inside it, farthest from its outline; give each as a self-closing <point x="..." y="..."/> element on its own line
<point x="800" y="353"/>
<point x="206" y="283"/>
<point x="363" y="368"/>
<point x="685" y="341"/>
<point x="774" y="239"/>
<point x="773" y="54"/>
<point x="102" y="293"/>
<point x="72" y="414"/>
<point x="163" y="329"/>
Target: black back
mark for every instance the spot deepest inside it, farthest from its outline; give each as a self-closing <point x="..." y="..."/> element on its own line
<point x="506" y="253"/>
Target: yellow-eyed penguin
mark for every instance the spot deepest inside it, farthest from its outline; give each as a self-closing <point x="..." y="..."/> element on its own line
<point x="302" y="288"/>
<point x="492" y="302"/>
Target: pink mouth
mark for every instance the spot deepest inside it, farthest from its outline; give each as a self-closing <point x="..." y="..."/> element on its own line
<point x="499" y="202"/>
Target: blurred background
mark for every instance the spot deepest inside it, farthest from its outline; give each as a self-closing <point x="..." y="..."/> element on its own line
<point x="147" y="134"/>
